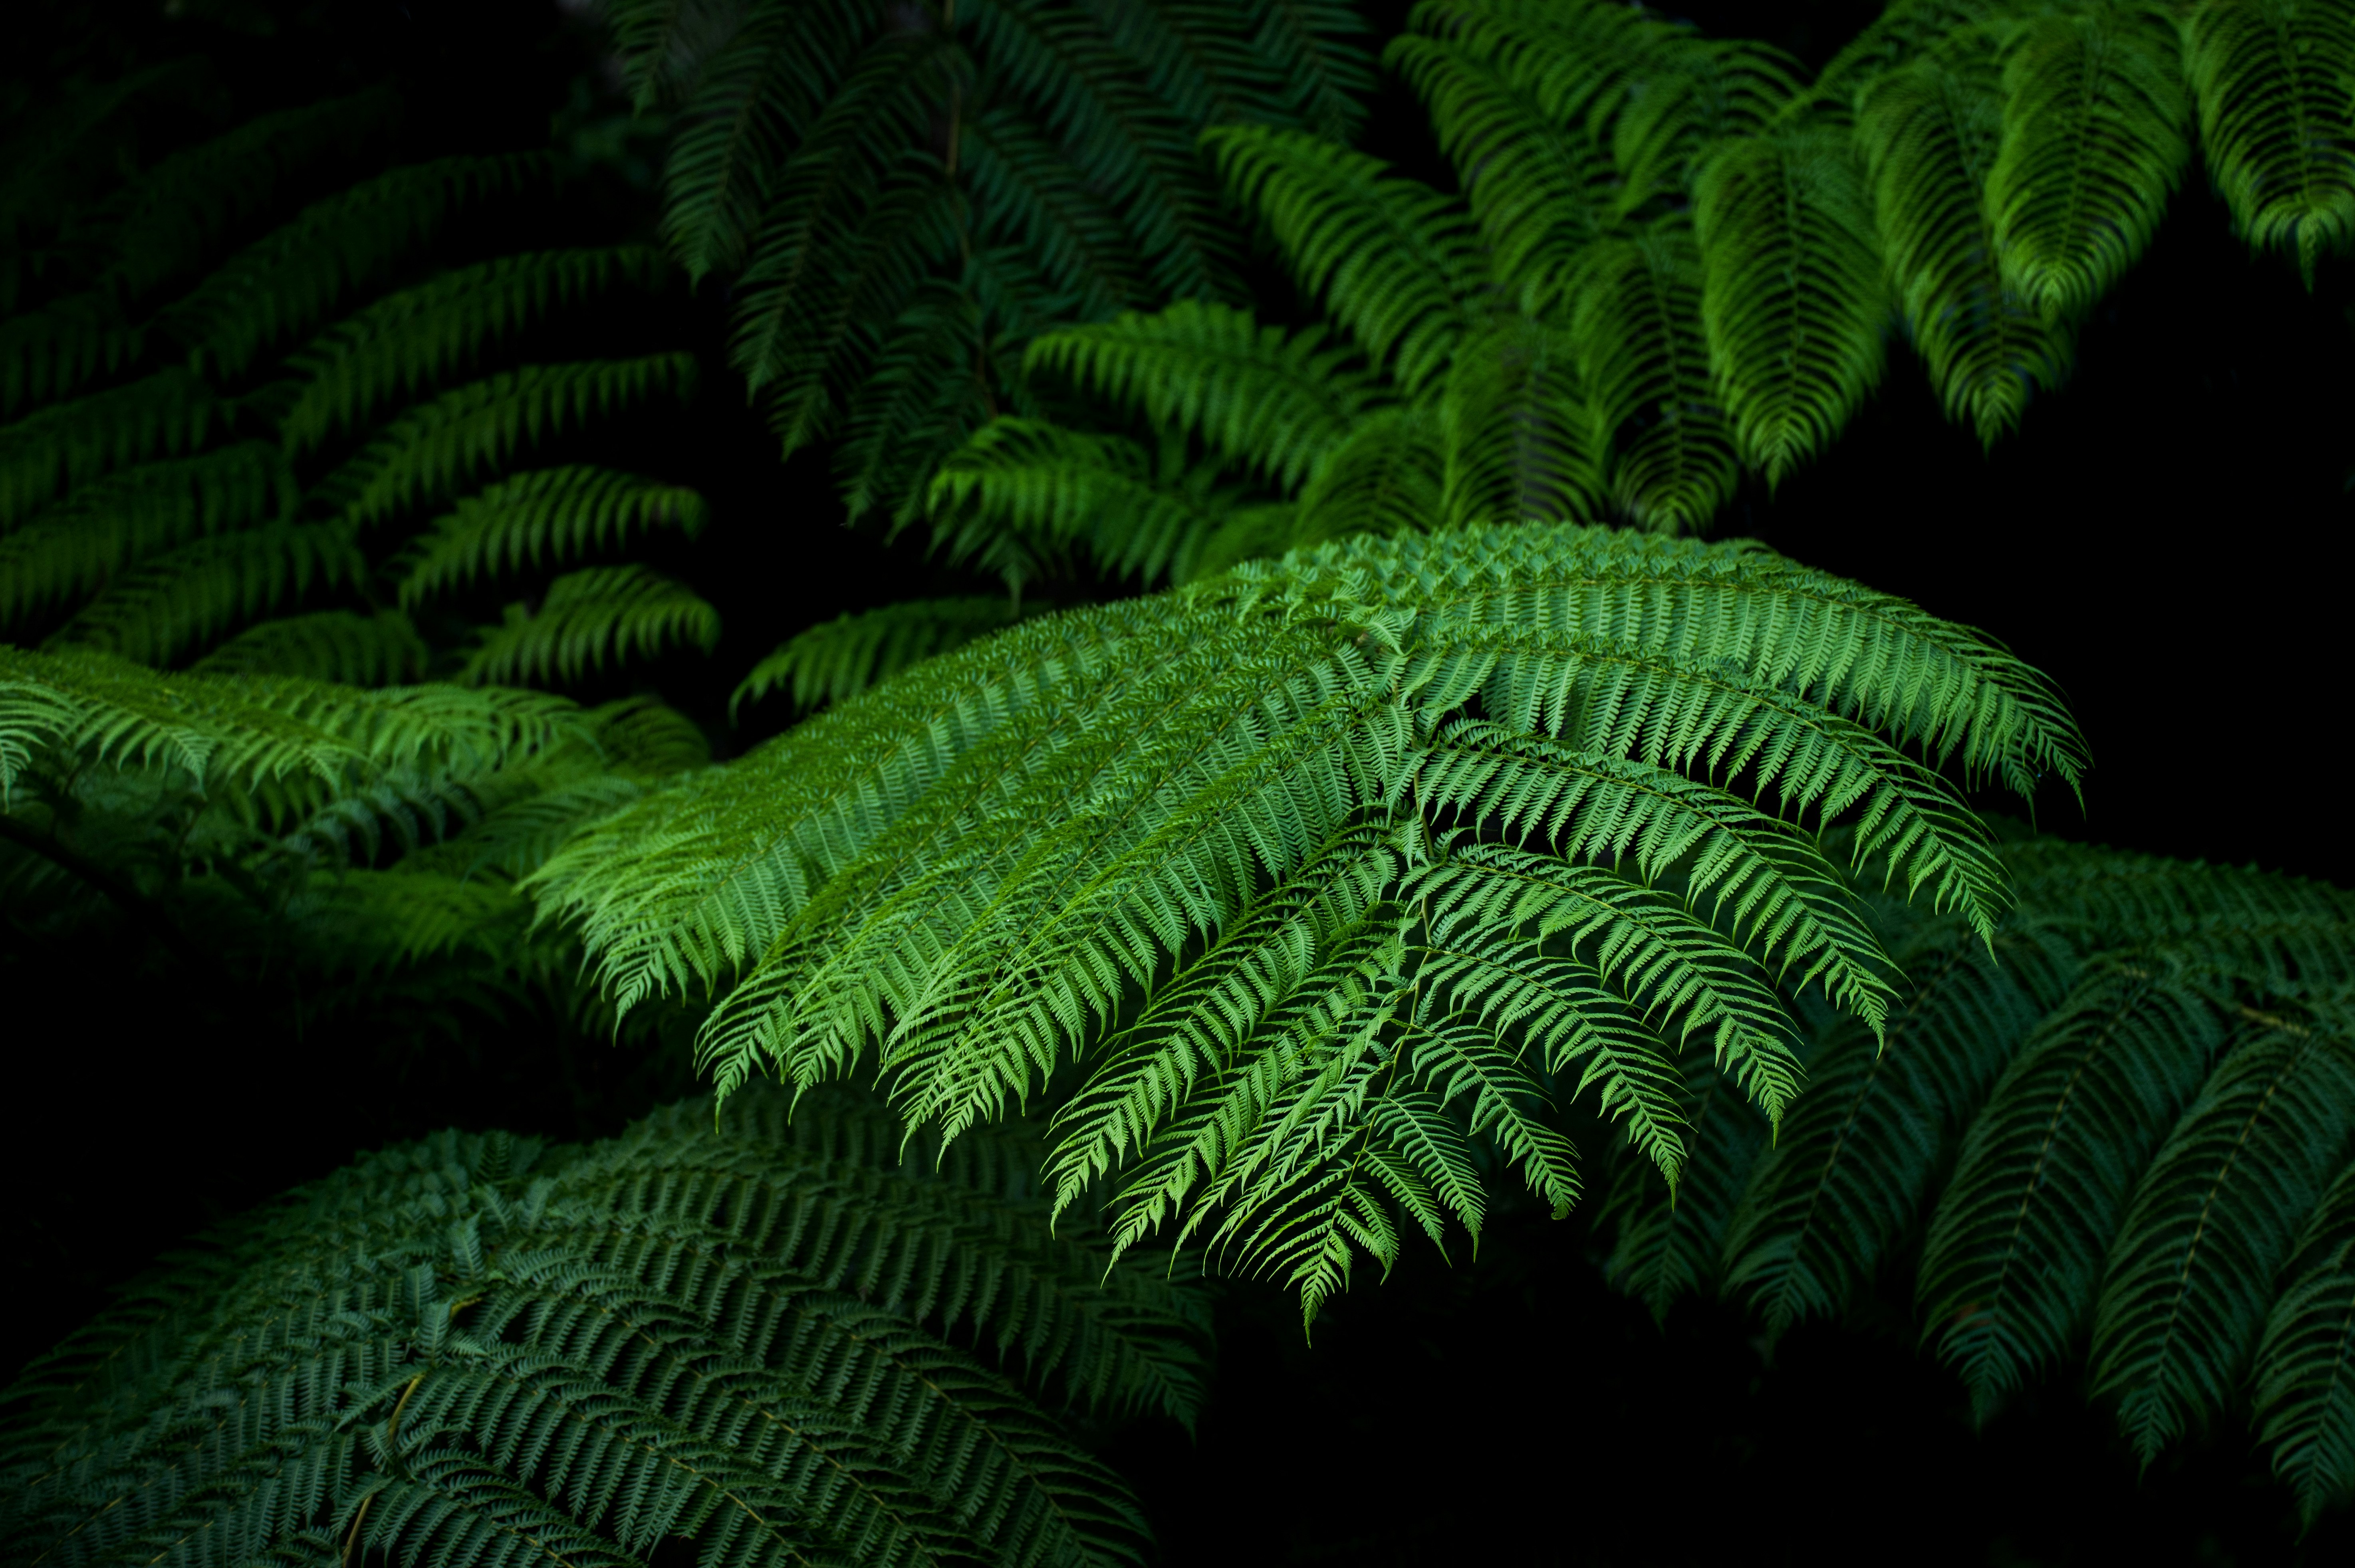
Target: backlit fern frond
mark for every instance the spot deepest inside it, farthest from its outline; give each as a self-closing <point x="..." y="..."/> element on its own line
<point x="1251" y="809"/>
<point x="558" y="514"/>
<point x="735" y="1339"/>
<point x="2093" y="141"/>
<point x="844" y="657"/>
<point x="845" y="168"/>
<point x="2277" y="121"/>
<point x="2130" y="1117"/>
<point x="587" y="616"/>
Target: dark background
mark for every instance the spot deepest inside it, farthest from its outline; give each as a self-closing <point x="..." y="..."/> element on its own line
<point x="2162" y="537"/>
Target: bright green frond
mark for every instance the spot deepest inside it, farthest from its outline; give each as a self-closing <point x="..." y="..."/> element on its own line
<point x="621" y="611"/>
<point x="550" y="514"/>
<point x="2277" y="120"/>
<point x="382" y="649"/>
<point x="843" y="657"/>
<point x="438" y="446"/>
<point x="1791" y="296"/>
<point x="2094" y="119"/>
<point x="1388" y="257"/>
<point x="1275" y="402"/>
<point x="407" y="340"/>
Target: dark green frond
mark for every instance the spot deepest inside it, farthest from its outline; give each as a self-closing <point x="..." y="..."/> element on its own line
<point x="1388" y="477"/>
<point x="1519" y="429"/>
<point x="438" y="446"/>
<point x="382" y="649"/>
<point x="621" y="611"/>
<point x="739" y="1336"/>
<point x="67" y="444"/>
<point x="51" y="352"/>
<point x="1930" y="133"/>
<point x="846" y="655"/>
<point x="170" y="603"/>
<point x="1791" y="289"/>
<point x="1647" y="375"/>
<point x="551" y="515"/>
<point x="406" y="341"/>
<point x="1387" y="256"/>
<point x="2277" y="120"/>
<point x="2094" y="119"/>
<point x="101" y="528"/>
<point x="290" y="279"/>
<point x="2305" y="1371"/>
<point x="1275" y="402"/>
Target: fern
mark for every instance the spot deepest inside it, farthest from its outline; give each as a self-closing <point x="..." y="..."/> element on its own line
<point x="558" y="512"/>
<point x="736" y="1338"/>
<point x="1252" y="801"/>
<point x="588" y="615"/>
<point x="2129" y="1118"/>
<point x="859" y="178"/>
<point x="844" y="657"/>
<point x="2270" y="77"/>
<point x="336" y="645"/>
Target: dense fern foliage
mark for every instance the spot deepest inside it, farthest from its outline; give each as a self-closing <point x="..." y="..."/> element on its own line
<point x="902" y="197"/>
<point x="233" y="414"/>
<point x="782" y="1341"/>
<point x="1328" y="874"/>
<point x="2126" y="1124"/>
<point x="1669" y="258"/>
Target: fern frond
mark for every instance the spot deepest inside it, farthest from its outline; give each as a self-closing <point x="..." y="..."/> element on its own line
<point x="126" y="516"/>
<point x="335" y="646"/>
<point x="1791" y="290"/>
<point x="437" y="446"/>
<point x="48" y="353"/>
<point x="2305" y="1369"/>
<point x="2276" y="120"/>
<point x="2093" y="121"/>
<point x="1648" y="373"/>
<point x="928" y="387"/>
<point x="1273" y="403"/>
<point x="844" y="657"/>
<point x="1388" y="477"/>
<point x="1352" y="920"/>
<point x="169" y="603"/>
<point x="67" y="444"/>
<point x="409" y="339"/>
<point x="558" y="514"/>
<point x="1519" y="430"/>
<point x="1389" y="256"/>
<point x="668" y="1344"/>
<point x="1930" y="134"/>
<point x="624" y="611"/>
<point x="288" y="281"/>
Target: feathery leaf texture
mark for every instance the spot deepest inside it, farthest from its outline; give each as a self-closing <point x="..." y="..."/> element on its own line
<point x="844" y="657"/>
<point x="2277" y="120"/>
<point x="587" y="616"/>
<point x="1310" y="934"/>
<point x="861" y="175"/>
<point x="2126" y="1124"/>
<point x="161" y="484"/>
<point x="487" y="1351"/>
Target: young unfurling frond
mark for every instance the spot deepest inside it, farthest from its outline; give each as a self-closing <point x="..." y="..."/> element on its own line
<point x="970" y="873"/>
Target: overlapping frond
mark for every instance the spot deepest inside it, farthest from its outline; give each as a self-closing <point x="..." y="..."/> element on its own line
<point x="338" y="645"/>
<point x="2277" y="121"/>
<point x="1229" y="849"/>
<point x="558" y="514"/>
<point x="735" y="1336"/>
<point x="619" y="612"/>
<point x="2127" y="1123"/>
<point x="851" y="170"/>
<point x="844" y="657"/>
<point x="172" y="601"/>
